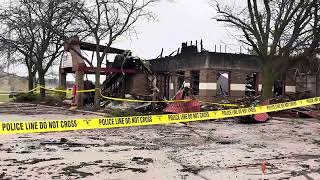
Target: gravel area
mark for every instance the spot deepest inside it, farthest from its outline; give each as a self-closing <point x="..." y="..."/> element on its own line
<point x="222" y="149"/>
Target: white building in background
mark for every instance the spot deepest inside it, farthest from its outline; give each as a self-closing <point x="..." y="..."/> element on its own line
<point x="11" y="82"/>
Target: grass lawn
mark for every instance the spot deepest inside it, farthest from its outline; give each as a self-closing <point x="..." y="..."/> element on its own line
<point x="5" y="98"/>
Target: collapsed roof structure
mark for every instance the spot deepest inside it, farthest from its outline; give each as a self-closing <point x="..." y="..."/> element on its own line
<point x="212" y="76"/>
<point x="127" y="74"/>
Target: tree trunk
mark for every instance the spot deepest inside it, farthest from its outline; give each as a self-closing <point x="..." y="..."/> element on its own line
<point x="267" y="81"/>
<point x="30" y="81"/>
<point x="98" y="87"/>
<point x="42" y="84"/>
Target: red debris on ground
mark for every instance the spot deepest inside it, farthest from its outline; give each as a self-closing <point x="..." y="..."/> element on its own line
<point x="263" y="116"/>
<point x="183" y="107"/>
<point x="264" y="167"/>
<point x="307" y="113"/>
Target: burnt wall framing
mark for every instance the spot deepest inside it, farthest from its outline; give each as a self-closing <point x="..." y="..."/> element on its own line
<point x="208" y="64"/>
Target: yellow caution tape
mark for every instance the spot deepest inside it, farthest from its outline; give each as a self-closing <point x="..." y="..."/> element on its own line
<point x="117" y="122"/>
<point x="142" y="101"/>
<point x="136" y="100"/>
<point x="68" y="90"/>
<point x="111" y="98"/>
<point x="219" y="104"/>
<point x="9" y="92"/>
<point x="165" y="101"/>
<point x="83" y="91"/>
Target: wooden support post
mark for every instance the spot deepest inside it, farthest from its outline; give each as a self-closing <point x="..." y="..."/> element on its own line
<point x="63" y="81"/>
<point x="80" y="86"/>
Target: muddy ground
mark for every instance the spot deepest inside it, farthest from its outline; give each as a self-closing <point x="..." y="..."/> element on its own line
<point x="223" y="149"/>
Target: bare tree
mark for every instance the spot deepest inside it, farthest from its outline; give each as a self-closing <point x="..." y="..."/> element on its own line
<point x="280" y="32"/>
<point x="35" y="32"/>
<point x="16" y="41"/>
<point x="106" y="20"/>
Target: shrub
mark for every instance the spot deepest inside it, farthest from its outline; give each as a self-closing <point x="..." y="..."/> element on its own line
<point x="61" y="95"/>
<point x="124" y="113"/>
<point x="33" y="97"/>
<point x="26" y="97"/>
<point x="53" y="100"/>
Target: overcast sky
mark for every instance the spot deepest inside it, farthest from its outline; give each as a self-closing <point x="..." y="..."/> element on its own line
<point x="183" y="20"/>
<point x="177" y="22"/>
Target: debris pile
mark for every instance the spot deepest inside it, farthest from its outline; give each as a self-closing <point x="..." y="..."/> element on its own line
<point x="138" y="92"/>
<point x="183" y="107"/>
<point x="253" y="101"/>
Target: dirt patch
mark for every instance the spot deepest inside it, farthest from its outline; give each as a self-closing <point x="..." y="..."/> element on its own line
<point x="3" y="176"/>
<point x="226" y="141"/>
<point x="65" y="142"/>
<point x="316" y="141"/>
<point x="192" y="169"/>
<point x="74" y="170"/>
<point x="205" y="150"/>
<point x="142" y="161"/>
<point x="30" y="161"/>
<point x="121" y="167"/>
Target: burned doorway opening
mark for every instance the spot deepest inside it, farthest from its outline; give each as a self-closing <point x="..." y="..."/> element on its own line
<point x="306" y="85"/>
<point x="163" y="83"/>
<point x="279" y="86"/>
<point x="195" y="81"/>
<point x="181" y="79"/>
<point x="251" y="85"/>
<point x="223" y="84"/>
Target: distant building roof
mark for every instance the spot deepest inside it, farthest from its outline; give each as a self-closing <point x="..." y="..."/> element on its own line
<point x="6" y="74"/>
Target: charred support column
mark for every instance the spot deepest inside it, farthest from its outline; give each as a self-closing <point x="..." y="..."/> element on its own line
<point x="123" y="84"/>
<point x="63" y="80"/>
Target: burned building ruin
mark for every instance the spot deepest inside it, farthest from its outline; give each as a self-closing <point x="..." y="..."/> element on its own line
<point x="214" y="76"/>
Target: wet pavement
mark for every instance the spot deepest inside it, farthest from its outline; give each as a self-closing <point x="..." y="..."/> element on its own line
<point x="222" y="149"/>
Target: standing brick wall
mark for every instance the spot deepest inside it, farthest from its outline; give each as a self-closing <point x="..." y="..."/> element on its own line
<point x="237" y="86"/>
<point x="208" y="84"/>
